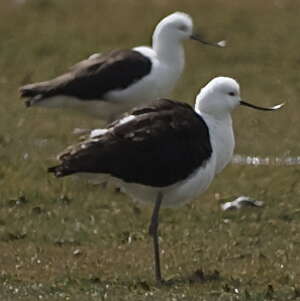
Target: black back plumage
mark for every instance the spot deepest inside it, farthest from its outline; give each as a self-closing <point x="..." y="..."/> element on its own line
<point x="92" y="78"/>
<point x="165" y="143"/>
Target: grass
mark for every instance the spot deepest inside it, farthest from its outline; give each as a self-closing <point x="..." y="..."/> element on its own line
<point x="67" y="240"/>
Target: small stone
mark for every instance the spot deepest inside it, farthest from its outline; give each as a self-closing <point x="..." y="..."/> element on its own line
<point x="77" y="252"/>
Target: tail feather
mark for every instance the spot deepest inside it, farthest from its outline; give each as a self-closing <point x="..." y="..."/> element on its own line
<point x="32" y="90"/>
<point x="58" y="171"/>
<point x="34" y="93"/>
<point x="27" y="91"/>
<point x="62" y="170"/>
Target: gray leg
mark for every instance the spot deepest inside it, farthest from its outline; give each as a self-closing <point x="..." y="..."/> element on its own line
<point x="153" y="231"/>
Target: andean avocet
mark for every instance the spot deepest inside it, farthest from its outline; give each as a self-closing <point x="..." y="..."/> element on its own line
<point x="106" y="85"/>
<point x="165" y="153"/>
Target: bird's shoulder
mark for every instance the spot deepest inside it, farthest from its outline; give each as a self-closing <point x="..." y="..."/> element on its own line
<point x="108" y="60"/>
<point x="163" y="119"/>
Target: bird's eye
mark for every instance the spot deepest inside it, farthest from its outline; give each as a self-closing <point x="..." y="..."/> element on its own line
<point x="183" y="27"/>
<point x="231" y="93"/>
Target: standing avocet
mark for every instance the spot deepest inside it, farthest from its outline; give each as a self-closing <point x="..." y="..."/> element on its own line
<point x="106" y="85"/>
<point x="165" y="153"/>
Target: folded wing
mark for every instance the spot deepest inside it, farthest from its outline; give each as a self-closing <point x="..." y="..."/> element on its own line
<point x="160" y="145"/>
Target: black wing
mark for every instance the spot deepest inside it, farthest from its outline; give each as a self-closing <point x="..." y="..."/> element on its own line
<point x="165" y="143"/>
<point x="92" y="78"/>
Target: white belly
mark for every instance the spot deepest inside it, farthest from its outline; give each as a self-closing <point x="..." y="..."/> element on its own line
<point x="177" y="194"/>
<point x="102" y="109"/>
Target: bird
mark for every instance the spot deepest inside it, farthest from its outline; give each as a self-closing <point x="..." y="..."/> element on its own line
<point x="107" y="85"/>
<point x="165" y="153"/>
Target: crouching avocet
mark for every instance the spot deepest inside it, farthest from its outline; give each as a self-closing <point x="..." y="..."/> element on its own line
<point x="106" y="85"/>
<point x="165" y="153"/>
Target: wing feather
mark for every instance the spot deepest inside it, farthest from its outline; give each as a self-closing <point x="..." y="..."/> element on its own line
<point x="165" y="143"/>
<point x="92" y="78"/>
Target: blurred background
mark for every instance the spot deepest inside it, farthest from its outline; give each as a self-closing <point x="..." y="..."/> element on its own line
<point x="42" y="216"/>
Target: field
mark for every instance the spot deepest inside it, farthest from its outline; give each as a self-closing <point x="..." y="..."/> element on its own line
<point x="64" y="239"/>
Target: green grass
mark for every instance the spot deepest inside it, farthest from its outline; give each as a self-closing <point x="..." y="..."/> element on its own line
<point x="67" y="240"/>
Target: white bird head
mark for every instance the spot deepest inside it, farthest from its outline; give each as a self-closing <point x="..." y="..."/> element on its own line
<point x="220" y="96"/>
<point x="177" y="26"/>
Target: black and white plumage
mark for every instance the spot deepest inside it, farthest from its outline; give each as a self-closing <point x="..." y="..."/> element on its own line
<point x="165" y="153"/>
<point x="93" y="78"/>
<point x="106" y="85"/>
<point x="156" y="145"/>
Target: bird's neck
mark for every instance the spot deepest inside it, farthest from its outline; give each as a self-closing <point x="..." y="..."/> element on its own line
<point x="222" y="138"/>
<point x="220" y="117"/>
<point x="168" y="50"/>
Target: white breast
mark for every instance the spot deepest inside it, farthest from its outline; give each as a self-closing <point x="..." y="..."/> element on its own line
<point x="222" y="139"/>
<point x="157" y="84"/>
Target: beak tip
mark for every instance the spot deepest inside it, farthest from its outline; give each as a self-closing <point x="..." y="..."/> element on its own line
<point x="222" y="43"/>
<point x="274" y="108"/>
<point x="279" y="106"/>
<point x="197" y="37"/>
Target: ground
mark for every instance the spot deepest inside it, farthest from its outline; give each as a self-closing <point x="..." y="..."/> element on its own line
<point x="63" y="239"/>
